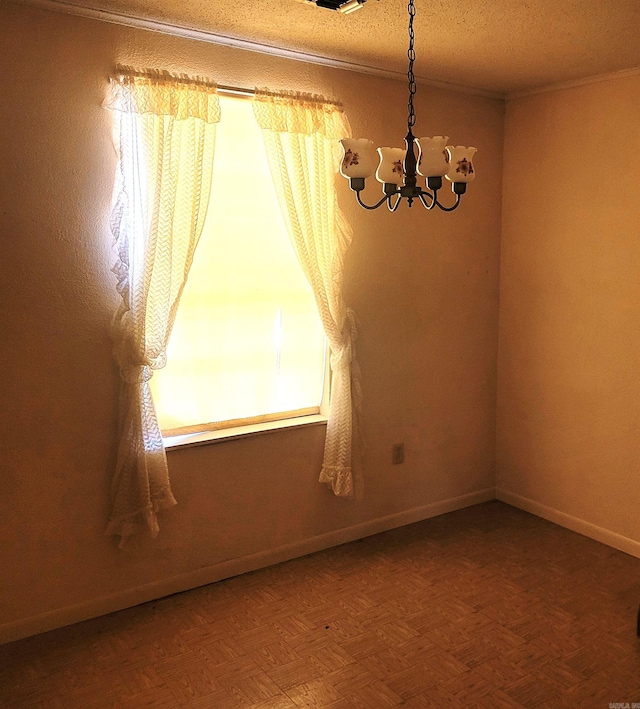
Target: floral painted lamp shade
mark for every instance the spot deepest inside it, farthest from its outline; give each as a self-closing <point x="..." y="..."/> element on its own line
<point x="357" y="160"/>
<point x="391" y="168"/>
<point x="460" y="164"/>
<point x="434" y="158"/>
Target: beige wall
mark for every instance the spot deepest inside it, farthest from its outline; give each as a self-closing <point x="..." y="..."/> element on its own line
<point x="425" y="287"/>
<point x="568" y="435"/>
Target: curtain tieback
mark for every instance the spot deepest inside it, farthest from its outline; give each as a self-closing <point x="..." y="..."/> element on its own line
<point x="342" y="357"/>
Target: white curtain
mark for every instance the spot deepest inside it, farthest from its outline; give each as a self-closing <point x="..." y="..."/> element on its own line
<point x="167" y="128"/>
<point x="301" y="134"/>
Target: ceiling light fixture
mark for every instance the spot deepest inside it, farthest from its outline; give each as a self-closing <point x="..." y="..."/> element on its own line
<point x="351" y="6"/>
<point x="343" y="6"/>
<point x="398" y="168"/>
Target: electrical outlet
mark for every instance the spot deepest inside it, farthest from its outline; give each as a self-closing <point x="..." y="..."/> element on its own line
<point x="397" y="453"/>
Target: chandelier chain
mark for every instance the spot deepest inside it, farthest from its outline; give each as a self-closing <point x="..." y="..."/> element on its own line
<point x="411" y="120"/>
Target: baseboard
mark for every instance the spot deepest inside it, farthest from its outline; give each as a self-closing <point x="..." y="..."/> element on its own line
<point x="600" y="534"/>
<point x="200" y="577"/>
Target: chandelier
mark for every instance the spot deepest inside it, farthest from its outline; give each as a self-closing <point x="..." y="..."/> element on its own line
<point x="399" y="168"/>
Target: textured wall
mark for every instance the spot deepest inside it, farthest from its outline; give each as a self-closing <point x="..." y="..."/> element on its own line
<point x="569" y="391"/>
<point x="425" y="287"/>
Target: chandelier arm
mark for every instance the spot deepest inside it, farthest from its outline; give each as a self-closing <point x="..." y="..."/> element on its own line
<point x="396" y="205"/>
<point x="449" y="209"/>
<point x="386" y="198"/>
<point x="434" y="201"/>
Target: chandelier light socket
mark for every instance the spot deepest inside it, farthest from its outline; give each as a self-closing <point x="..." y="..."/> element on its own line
<point x="434" y="183"/>
<point x="356" y="183"/>
<point x="434" y="158"/>
<point x="390" y="188"/>
<point x="459" y="187"/>
<point x="391" y="167"/>
<point x="357" y="159"/>
<point x="461" y="167"/>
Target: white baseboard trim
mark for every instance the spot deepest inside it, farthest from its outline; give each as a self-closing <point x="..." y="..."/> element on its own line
<point x="600" y="534"/>
<point x="200" y="577"/>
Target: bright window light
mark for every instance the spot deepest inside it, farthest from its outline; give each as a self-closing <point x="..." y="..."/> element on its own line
<point x="247" y="343"/>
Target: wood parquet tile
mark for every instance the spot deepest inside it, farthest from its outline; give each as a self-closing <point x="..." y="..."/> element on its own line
<point x="488" y="607"/>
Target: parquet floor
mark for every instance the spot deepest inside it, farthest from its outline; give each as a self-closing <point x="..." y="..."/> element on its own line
<point x="485" y="607"/>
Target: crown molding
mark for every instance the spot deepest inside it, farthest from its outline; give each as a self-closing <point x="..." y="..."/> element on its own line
<point x="238" y="43"/>
<point x="563" y="85"/>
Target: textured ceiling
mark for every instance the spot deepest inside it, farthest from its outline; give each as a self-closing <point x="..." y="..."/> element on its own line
<point x="496" y="45"/>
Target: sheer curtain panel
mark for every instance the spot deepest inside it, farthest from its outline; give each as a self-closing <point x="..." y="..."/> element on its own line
<point x="166" y="126"/>
<point x="301" y="134"/>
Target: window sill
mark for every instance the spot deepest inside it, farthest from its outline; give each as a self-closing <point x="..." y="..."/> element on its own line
<point x="255" y="429"/>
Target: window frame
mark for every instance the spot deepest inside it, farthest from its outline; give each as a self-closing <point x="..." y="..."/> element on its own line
<point x="220" y="431"/>
<point x="243" y="430"/>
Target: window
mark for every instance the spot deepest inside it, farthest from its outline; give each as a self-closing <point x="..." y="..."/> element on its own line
<point x="247" y="344"/>
<point x="167" y="127"/>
